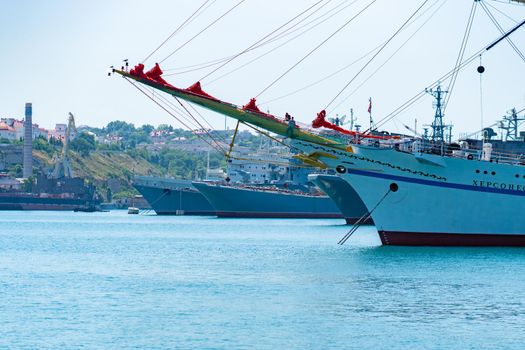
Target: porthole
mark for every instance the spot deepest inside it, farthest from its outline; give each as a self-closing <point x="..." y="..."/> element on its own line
<point x="517" y="175"/>
<point x="340" y="169"/>
<point x="477" y="171"/>
<point x="485" y="172"/>
<point x="493" y="173"/>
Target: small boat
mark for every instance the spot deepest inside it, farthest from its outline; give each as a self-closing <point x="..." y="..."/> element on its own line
<point x="133" y="210"/>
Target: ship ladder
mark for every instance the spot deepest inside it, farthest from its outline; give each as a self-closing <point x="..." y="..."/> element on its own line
<point x="366" y="216"/>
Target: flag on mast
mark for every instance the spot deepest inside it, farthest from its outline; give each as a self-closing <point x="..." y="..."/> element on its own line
<point x="372" y="126"/>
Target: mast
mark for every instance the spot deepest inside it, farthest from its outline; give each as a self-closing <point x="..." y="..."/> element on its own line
<point x="510" y="124"/>
<point x="372" y="126"/>
<point x="440" y="132"/>
<point x="437" y="124"/>
<point x="352" y="119"/>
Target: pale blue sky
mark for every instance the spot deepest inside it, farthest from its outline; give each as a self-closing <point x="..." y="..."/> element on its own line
<point x="55" y="53"/>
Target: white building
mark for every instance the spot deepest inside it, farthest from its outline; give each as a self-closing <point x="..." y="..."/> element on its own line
<point x="7" y="132"/>
<point x="261" y="167"/>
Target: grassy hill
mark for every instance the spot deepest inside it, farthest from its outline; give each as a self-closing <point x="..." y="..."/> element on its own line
<point x="100" y="166"/>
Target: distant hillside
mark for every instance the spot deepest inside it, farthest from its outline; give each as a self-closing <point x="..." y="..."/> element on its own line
<point x="111" y="156"/>
<point x="103" y="165"/>
<point x="100" y="166"/>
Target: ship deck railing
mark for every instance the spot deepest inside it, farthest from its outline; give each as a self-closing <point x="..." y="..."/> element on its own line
<point x="471" y="153"/>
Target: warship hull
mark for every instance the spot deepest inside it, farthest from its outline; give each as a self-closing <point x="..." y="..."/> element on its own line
<point x="249" y="202"/>
<point x="173" y="197"/>
<point x="344" y="197"/>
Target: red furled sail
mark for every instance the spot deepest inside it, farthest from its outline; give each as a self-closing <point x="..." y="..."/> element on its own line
<point x="197" y="89"/>
<point x="320" y="121"/>
<point x="155" y="74"/>
<point x="251" y="106"/>
<point x="138" y="71"/>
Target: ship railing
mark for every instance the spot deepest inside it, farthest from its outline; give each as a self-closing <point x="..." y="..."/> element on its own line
<point x="425" y="146"/>
<point x="495" y="157"/>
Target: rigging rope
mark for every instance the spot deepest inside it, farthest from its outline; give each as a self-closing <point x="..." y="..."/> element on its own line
<point x="355" y="61"/>
<point x="217" y="146"/>
<point x="317" y="47"/>
<point x="411" y="101"/>
<point x="260" y="40"/>
<point x="284" y="43"/>
<point x="176" y="108"/>
<point x="393" y="54"/>
<point x="173" y="115"/>
<point x="375" y="55"/>
<point x="217" y="61"/>
<point x="481" y="95"/>
<point x="203" y="30"/>
<point x="501" y="12"/>
<point x="198" y="125"/>
<point x="493" y="19"/>
<point x="362" y="220"/>
<point x="461" y="53"/>
<point x="203" y="128"/>
<point x="223" y="139"/>
<point x="416" y="97"/>
<point x="176" y="31"/>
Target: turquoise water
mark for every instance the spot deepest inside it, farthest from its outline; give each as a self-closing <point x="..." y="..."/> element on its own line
<point x="112" y="280"/>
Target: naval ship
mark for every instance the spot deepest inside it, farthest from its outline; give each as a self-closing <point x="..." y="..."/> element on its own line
<point x="261" y="185"/>
<point x="266" y="202"/>
<point x="172" y="197"/>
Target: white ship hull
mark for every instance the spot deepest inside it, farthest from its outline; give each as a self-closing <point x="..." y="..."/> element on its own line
<point x="438" y="200"/>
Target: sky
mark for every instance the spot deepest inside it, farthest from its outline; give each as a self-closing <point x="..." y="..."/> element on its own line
<point x="56" y="54"/>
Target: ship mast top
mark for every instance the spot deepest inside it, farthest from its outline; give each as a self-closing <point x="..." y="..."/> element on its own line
<point x="438" y="128"/>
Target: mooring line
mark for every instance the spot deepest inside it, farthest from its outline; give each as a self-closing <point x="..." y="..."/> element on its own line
<point x="363" y="219"/>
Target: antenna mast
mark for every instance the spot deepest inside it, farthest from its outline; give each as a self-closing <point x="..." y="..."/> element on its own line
<point x="438" y="128"/>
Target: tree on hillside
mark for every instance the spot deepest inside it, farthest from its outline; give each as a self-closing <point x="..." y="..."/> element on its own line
<point x="41" y="144"/>
<point x="84" y="143"/>
<point x="165" y="127"/>
<point x="147" y="128"/>
<point x="120" y="128"/>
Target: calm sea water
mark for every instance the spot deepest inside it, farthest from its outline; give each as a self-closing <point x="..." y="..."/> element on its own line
<point x="112" y="280"/>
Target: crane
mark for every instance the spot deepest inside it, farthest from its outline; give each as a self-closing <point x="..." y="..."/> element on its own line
<point x="62" y="165"/>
